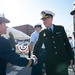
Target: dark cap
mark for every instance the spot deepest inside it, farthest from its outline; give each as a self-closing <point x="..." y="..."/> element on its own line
<point x="3" y="19"/>
<point x="38" y="25"/>
<point x="47" y="14"/>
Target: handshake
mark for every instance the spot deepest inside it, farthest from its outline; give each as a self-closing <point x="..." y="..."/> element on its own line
<point x="35" y="59"/>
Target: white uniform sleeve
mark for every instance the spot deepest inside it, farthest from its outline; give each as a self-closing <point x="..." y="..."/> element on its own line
<point x="33" y="38"/>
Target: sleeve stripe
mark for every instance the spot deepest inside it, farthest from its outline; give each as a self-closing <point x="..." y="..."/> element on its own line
<point x="29" y="63"/>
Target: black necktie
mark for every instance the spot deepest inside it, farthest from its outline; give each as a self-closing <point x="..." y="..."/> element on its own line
<point x="50" y="30"/>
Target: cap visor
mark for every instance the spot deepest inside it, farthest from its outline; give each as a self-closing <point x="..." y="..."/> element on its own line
<point x="3" y="19"/>
<point x="44" y="18"/>
<point x="6" y="20"/>
<point x="72" y="12"/>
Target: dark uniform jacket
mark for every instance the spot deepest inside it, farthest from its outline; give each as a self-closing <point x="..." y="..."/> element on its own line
<point x="8" y="55"/>
<point x="58" y="49"/>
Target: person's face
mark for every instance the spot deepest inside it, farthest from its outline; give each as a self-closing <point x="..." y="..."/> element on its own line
<point x="38" y="29"/>
<point x="47" y="22"/>
<point x="2" y="28"/>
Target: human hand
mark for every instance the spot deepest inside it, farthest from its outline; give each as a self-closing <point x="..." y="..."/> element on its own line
<point x="35" y="59"/>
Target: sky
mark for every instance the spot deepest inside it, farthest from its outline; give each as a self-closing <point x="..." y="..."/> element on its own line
<point x="21" y="12"/>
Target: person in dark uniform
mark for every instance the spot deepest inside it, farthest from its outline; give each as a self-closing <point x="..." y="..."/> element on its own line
<point x="58" y="49"/>
<point x="12" y="41"/>
<point x="6" y="52"/>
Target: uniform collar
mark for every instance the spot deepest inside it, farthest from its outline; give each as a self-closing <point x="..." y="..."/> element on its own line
<point x="36" y="32"/>
<point x="52" y="27"/>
